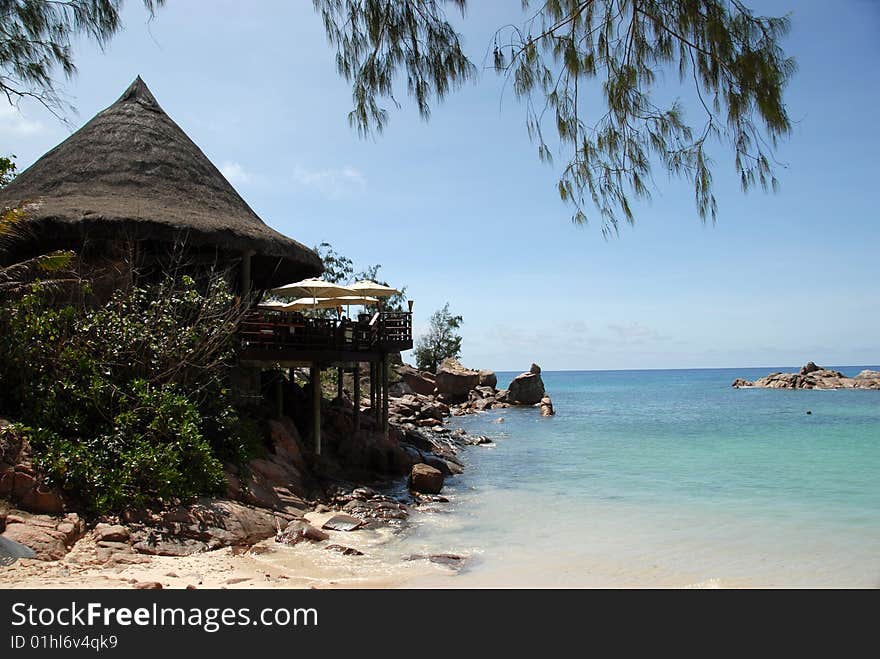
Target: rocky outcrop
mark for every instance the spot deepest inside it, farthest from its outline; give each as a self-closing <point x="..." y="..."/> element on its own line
<point x="278" y="480"/>
<point x="425" y="479"/>
<point x="424" y="411"/>
<point x="180" y="531"/>
<point x="48" y="538"/>
<point x="111" y="533"/>
<point x="813" y="377"/>
<point x="222" y="523"/>
<point x="454" y="381"/>
<point x="190" y="529"/>
<point x="376" y="507"/>
<point x="488" y="379"/>
<point x="274" y="492"/>
<point x="19" y="482"/>
<point x="526" y="388"/>
<point x="419" y="382"/>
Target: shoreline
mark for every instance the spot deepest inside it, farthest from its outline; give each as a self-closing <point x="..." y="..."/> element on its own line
<point x="265" y="564"/>
<point x="383" y="512"/>
<point x="706" y="541"/>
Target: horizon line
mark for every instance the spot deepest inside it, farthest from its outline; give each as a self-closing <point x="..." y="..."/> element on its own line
<point x="691" y="368"/>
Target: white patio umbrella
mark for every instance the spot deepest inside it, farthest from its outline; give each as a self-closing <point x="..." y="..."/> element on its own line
<point x="313" y="288"/>
<point x="331" y="302"/>
<point x="373" y="289"/>
<point x="276" y="305"/>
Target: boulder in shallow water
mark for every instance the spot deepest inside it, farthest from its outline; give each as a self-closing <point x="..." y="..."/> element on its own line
<point x="525" y="389"/>
<point x="298" y="531"/>
<point x="425" y="479"/>
<point x="342" y="522"/>
<point x="345" y="551"/>
<point x="450" y="560"/>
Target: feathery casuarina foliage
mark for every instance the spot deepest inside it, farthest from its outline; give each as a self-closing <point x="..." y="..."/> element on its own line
<point x="727" y="58"/>
<point x="35" y="41"/>
<point x="374" y="39"/>
<point x="440" y="341"/>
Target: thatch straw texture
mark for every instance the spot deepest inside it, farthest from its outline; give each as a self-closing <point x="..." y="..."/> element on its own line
<point x="131" y="171"/>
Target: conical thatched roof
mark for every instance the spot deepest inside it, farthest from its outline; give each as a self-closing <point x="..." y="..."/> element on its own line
<point x="132" y="171"/>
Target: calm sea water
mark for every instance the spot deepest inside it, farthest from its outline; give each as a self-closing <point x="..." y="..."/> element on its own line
<point x="665" y="478"/>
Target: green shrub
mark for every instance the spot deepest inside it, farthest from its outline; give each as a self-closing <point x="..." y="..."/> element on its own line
<point x="128" y="403"/>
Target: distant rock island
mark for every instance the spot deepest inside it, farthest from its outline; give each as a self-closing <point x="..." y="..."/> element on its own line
<point x="813" y="377"/>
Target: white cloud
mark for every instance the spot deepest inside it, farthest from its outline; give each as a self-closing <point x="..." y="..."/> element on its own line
<point x="13" y="122"/>
<point x="634" y="332"/>
<point x="331" y="183"/>
<point x="235" y="173"/>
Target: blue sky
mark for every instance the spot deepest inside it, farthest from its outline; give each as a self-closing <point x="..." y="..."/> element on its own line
<point x="459" y="209"/>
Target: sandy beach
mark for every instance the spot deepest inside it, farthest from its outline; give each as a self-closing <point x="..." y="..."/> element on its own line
<point x="266" y="564"/>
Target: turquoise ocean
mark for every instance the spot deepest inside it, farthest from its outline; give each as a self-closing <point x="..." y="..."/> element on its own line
<point x="664" y="478"/>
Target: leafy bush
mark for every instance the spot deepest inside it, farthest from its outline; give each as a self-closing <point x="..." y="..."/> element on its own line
<point x="127" y="403"/>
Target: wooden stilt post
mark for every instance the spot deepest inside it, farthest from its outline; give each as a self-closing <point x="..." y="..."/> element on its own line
<point x="279" y="396"/>
<point x="373" y="389"/>
<point x="377" y="410"/>
<point x="316" y="406"/>
<point x="340" y="371"/>
<point x="370" y="386"/>
<point x="385" y="395"/>
<point x="245" y="274"/>
<point x="357" y="397"/>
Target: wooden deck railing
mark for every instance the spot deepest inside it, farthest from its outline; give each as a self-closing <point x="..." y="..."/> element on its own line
<point x="264" y="329"/>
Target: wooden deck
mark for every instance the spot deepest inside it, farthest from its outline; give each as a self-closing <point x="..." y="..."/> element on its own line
<point x="278" y="336"/>
<point x="290" y="339"/>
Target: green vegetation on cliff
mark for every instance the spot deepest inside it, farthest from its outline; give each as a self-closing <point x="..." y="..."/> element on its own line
<point x="126" y="403"/>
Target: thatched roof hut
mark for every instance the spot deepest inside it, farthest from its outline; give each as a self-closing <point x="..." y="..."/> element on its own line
<point x="131" y="171"/>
